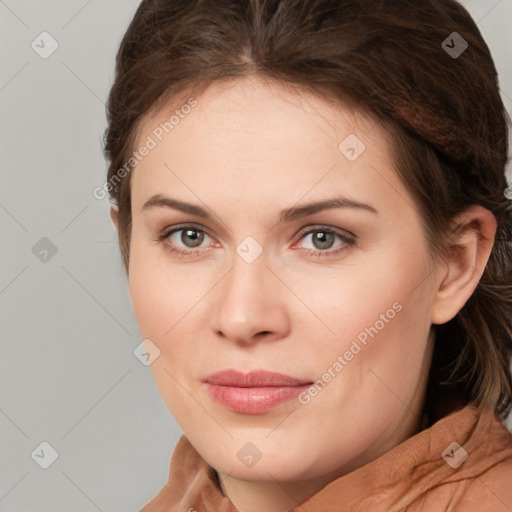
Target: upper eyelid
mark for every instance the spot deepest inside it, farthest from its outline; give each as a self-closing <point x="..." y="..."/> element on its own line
<point x="183" y="227"/>
<point x="318" y="227"/>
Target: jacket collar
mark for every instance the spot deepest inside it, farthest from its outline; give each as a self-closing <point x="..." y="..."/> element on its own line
<point x="390" y="482"/>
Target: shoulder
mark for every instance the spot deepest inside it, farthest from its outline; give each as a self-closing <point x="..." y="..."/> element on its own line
<point x="490" y="488"/>
<point x="490" y="491"/>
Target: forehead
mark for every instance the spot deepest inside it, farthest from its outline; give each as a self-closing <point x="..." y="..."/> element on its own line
<point x="246" y="136"/>
<point x="259" y="103"/>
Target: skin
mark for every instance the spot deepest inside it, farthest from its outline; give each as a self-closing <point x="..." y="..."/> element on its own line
<point x="247" y="151"/>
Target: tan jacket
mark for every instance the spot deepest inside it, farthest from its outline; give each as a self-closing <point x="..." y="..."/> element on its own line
<point x="428" y="472"/>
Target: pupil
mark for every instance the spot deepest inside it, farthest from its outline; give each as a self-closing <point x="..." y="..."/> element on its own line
<point x="194" y="234"/>
<point x="321" y="237"/>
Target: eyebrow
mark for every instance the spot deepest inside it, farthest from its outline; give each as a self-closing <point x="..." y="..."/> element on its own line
<point x="287" y="215"/>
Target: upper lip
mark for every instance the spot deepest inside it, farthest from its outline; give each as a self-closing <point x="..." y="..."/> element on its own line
<point x="257" y="378"/>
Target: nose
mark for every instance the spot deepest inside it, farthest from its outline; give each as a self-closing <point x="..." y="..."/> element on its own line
<point x="250" y="304"/>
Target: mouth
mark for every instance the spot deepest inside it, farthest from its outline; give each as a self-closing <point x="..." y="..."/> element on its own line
<point x="255" y="392"/>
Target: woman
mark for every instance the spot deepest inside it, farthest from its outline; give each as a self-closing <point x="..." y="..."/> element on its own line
<point x="312" y="213"/>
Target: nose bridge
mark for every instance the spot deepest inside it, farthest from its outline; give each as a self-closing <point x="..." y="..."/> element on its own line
<point x="247" y="303"/>
<point x="246" y="282"/>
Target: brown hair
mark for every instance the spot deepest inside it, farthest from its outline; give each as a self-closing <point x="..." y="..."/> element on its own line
<point x="444" y="113"/>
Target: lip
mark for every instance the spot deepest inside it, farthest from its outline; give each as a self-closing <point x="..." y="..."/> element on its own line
<point x="255" y="392"/>
<point x="254" y="379"/>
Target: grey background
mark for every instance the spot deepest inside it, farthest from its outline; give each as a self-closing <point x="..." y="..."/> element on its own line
<point x="68" y="373"/>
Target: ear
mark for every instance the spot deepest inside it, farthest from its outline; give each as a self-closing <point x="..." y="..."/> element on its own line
<point x="468" y="248"/>
<point x="114" y="215"/>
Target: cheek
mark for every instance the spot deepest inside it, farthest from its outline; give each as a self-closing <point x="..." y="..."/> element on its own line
<point x="168" y="306"/>
<point x="352" y="296"/>
<point x="375" y="315"/>
<point x="160" y="300"/>
<point x="160" y="296"/>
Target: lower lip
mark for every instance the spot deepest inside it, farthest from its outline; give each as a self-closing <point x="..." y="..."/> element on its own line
<point x="253" y="400"/>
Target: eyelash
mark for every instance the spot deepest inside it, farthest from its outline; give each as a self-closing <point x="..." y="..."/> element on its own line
<point x="347" y="241"/>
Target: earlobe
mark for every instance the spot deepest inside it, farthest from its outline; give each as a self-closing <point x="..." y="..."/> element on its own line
<point x="467" y="253"/>
<point x="114" y="215"/>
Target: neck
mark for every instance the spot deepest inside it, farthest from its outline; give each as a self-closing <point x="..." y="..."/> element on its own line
<point x="270" y="496"/>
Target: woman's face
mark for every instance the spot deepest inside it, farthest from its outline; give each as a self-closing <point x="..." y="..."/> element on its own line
<point x="337" y="296"/>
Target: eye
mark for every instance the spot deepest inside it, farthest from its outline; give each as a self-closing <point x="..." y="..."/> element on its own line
<point x="191" y="237"/>
<point x="185" y="239"/>
<point x="323" y="241"/>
